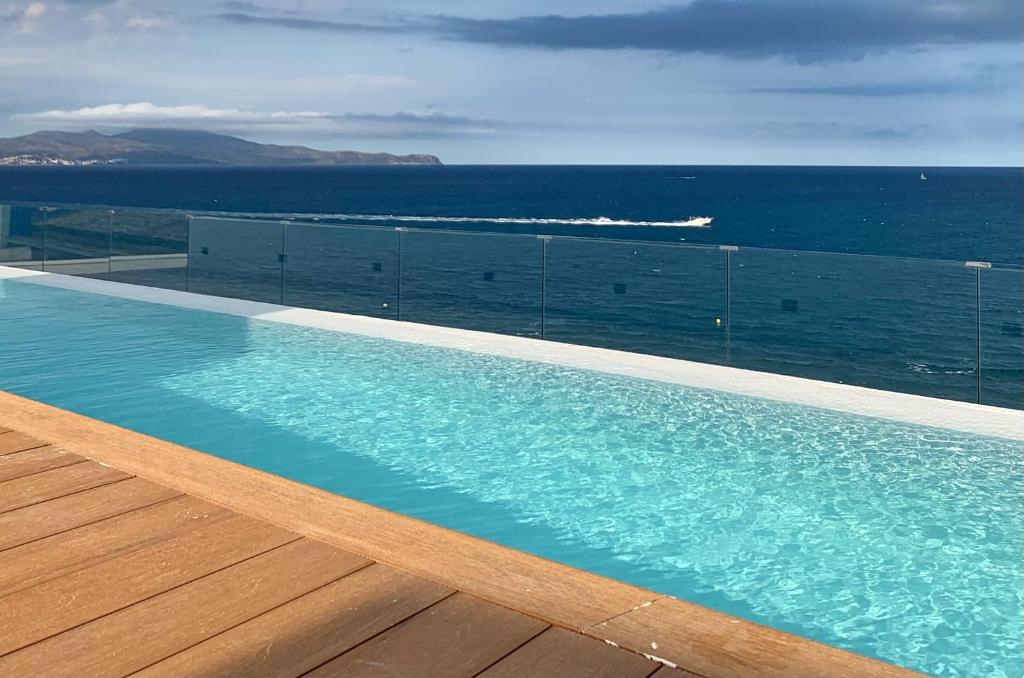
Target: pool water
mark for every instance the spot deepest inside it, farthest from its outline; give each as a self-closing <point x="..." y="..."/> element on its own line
<point x="892" y="540"/>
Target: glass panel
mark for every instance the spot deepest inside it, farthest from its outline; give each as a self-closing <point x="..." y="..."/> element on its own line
<point x="336" y="268"/>
<point x="1002" y="339"/>
<point x="238" y="258"/>
<point x="21" y="236"/>
<point x="150" y="248"/>
<point x="473" y="281"/>
<point x="897" y="324"/>
<point x="660" y="299"/>
<point x="77" y="242"/>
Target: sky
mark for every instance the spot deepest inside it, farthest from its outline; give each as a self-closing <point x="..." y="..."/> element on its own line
<point x="814" y="82"/>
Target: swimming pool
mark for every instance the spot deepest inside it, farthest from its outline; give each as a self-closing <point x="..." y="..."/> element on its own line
<point x="890" y="539"/>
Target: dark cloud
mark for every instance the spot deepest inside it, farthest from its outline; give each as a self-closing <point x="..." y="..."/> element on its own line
<point x="804" y="30"/>
<point x="416" y="126"/>
<point x="801" y="30"/>
<point x="247" y="7"/>
<point x="429" y="118"/>
<point x="245" y="19"/>
<point x="986" y="78"/>
<point x="835" y="130"/>
<point x="886" y="89"/>
<point x="241" y="6"/>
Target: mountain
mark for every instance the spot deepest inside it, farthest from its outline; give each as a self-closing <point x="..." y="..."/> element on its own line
<point x="178" y="147"/>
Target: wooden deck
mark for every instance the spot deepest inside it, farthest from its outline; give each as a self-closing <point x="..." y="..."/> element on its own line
<point x="125" y="555"/>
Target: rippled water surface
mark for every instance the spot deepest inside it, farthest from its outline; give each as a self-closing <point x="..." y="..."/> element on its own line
<point x="893" y="540"/>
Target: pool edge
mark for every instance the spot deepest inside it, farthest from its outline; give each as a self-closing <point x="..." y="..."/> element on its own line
<point x="672" y="631"/>
<point x="956" y="415"/>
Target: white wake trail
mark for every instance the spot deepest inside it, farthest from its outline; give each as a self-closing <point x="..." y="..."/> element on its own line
<point x="692" y="222"/>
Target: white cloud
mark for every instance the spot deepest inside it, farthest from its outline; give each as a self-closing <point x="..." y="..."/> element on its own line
<point x="36" y="9"/>
<point x="145" y="113"/>
<point x="18" y="60"/>
<point x="28" y="17"/>
<point x="307" y="123"/>
<point x="151" y="23"/>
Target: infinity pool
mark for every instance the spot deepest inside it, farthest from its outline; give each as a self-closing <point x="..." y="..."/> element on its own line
<point x="888" y="539"/>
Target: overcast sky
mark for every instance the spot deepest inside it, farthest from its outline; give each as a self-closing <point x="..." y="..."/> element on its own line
<point x="903" y="82"/>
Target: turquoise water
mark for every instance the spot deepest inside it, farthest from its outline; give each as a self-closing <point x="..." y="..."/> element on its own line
<point x="892" y="540"/>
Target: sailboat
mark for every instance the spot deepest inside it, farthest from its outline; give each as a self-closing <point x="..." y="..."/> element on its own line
<point x="923" y="177"/>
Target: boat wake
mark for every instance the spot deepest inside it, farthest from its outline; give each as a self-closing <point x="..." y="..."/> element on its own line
<point x="692" y="222"/>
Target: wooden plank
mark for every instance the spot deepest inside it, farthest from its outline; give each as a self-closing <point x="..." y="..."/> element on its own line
<point x="115" y="584"/>
<point x="144" y="633"/>
<point x="309" y="631"/>
<point x="20" y="492"/>
<point x="542" y="588"/>
<point x="716" y="645"/>
<point x="59" y="515"/>
<point x="457" y="638"/>
<point x="77" y="549"/>
<point x="13" y="441"/>
<point x="669" y="672"/>
<point x="567" y="654"/>
<point x="40" y="459"/>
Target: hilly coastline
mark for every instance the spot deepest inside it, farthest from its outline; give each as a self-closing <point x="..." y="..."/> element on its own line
<point x="148" y="146"/>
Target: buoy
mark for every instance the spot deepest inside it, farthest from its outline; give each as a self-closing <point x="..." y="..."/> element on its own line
<point x="718" y="322"/>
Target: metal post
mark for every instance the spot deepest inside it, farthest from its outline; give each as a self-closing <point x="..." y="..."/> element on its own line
<point x="284" y="257"/>
<point x="188" y="254"/>
<point x="977" y="266"/>
<point x="398" y="304"/>
<point x="110" y="243"/>
<point x="46" y="219"/>
<point x="728" y="249"/>
<point x="543" y="282"/>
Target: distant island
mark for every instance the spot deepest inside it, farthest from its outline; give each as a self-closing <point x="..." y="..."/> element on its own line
<point x="177" y="147"/>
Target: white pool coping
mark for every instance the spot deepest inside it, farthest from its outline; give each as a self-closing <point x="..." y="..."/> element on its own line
<point x="922" y="410"/>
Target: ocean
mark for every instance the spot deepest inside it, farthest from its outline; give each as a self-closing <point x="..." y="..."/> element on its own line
<point x="957" y="213"/>
<point x="790" y="300"/>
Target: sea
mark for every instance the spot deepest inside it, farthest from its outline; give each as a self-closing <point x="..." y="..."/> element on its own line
<point x="904" y="317"/>
<point x="955" y="213"/>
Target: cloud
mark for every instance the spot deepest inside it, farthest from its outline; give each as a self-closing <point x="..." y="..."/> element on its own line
<point x="307" y="123"/>
<point x="246" y="19"/>
<point x="986" y="78"/>
<point x="241" y="6"/>
<point x="802" y="30"/>
<point x="151" y="23"/>
<point x="804" y="130"/>
<point x="145" y="113"/>
<point x="884" y="89"/>
<point x="24" y="19"/>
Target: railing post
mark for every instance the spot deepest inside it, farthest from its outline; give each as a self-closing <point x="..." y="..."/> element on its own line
<point x="46" y="220"/>
<point x="544" y="239"/>
<point x="283" y="257"/>
<point x="728" y="249"/>
<point x="188" y="253"/>
<point x="977" y="266"/>
<point x="110" y="243"/>
<point x="398" y="305"/>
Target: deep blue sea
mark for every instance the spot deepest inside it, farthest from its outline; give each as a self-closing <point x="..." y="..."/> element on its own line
<point x="957" y="213"/>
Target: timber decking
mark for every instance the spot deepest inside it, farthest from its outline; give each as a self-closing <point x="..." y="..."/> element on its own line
<point x="207" y="568"/>
<point x="134" y="578"/>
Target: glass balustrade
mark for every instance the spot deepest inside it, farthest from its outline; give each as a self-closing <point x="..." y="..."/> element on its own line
<point x="948" y="329"/>
<point x="665" y="300"/>
<point x="898" y="324"/>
